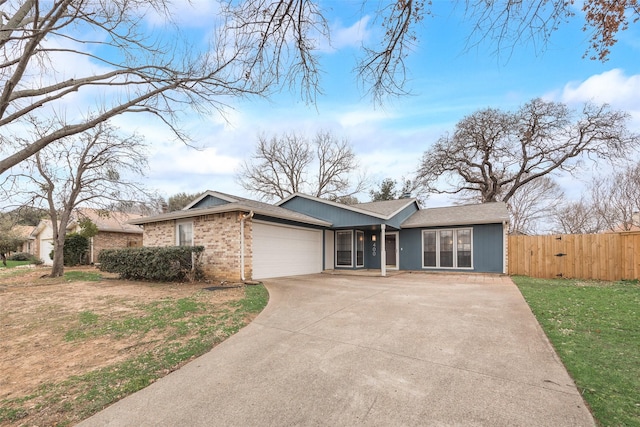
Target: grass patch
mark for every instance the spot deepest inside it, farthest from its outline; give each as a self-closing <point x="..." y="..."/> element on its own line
<point x="595" y="328"/>
<point x="84" y="276"/>
<point x="173" y="331"/>
<point x="13" y="264"/>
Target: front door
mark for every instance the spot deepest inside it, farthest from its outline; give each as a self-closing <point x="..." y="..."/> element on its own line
<point x="391" y="248"/>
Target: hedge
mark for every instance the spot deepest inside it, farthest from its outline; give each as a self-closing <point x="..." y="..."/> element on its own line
<point x="75" y="248"/>
<point x="162" y="264"/>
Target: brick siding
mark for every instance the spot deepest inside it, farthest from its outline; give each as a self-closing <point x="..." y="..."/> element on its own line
<point x="113" y="240"/>
<point x="219" y="234"/>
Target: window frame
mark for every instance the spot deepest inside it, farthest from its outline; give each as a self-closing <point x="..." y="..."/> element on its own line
<point x="181" y="223"/>
<point x="338" y="232"/>
<point x="438" y="248"/>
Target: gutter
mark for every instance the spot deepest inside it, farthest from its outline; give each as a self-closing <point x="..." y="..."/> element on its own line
<point x="242" y="220"/>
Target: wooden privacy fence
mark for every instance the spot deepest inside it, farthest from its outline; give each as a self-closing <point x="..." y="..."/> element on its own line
<point x="611" y="256"/>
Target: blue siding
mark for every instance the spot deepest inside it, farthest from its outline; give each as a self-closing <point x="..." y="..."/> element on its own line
<point x="370" y="260"/>
<point x="410" y="241"/>
<point x="339" y="217"/>
<point x="209" y="202"/>
<point x="488" y="248"/>
<point x="401" y="216"/>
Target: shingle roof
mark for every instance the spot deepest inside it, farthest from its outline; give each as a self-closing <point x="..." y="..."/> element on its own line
<point x="485" y="213"/>
<point x="110" y="221"/>
<point x="23" y="231"/>
<point x="383" y="210"/>
<point x="242" y="205"/>
<point x="385" y="207"/>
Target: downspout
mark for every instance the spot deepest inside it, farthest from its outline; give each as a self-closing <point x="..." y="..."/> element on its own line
<point x="242" y="219"/>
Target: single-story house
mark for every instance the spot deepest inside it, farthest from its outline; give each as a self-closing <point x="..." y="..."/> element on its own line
<point x="247" y="239"/>
<point x="23" y="232"/>
<point x="114" y="232"/>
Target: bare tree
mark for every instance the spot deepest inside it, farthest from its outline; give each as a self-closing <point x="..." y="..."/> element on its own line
<point x="493" y="153"/>
<point x="130" y="67"/>
<point x="282" y="166"/>
<point x="91" y="168"/>
<point x="508" y="23"/>
<point x="616" y="199"/>
<point x="127" y="66"/>
<point x="383" y="69"/>
<point x="577" y="218"/>
<point x="532" y="207"/>
<point x="127" y="71"/>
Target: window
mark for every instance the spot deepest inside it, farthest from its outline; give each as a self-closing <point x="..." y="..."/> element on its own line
<point x="464" y="248"/>
<point x="344" y="248"/>
<point x="184" y="234"/>
<point x="430" y="249"/>
<point x="359" y="249"/>
<point x="447" y="248"/>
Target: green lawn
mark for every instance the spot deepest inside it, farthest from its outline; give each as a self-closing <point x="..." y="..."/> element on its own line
<point x="595" y="328"/>
<point x="11" y="264"/>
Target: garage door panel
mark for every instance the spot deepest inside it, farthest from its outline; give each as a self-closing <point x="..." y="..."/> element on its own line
<point x="285" y="251"/>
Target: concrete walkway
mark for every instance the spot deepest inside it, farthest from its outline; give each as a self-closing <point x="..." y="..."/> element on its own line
<point x="408" y="350"/>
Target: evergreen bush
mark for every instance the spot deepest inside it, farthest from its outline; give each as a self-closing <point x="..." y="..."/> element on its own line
<point x="20" y="256"/>
<point x="75" y="248"/>
<point x="161" y="264"/>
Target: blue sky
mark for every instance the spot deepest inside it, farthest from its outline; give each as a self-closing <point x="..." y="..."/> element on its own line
<point x="447" y="81"/>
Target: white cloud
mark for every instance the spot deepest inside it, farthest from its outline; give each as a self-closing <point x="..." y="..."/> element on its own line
<point x="363" y="116"/>
<point x="611" y="87"/>
<point x="177" y="158"/>
<point x="352" y="36"/>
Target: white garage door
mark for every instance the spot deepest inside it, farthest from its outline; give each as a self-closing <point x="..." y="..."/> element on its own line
<point x="46" y="246"/>
<point x="280" y="250"/>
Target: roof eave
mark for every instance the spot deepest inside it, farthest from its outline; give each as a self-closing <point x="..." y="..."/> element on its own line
<point x="340" y="205"/>
<point x="181" y="214"/>
<point x="453" y="223"/>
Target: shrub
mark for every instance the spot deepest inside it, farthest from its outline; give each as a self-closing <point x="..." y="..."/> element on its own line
<point x="168" y="264"/>
<point x="75" y="247"/>
<point x="20" y="256"/>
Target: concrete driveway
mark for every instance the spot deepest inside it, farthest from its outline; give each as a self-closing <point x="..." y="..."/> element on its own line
<point x="407" y="350"/>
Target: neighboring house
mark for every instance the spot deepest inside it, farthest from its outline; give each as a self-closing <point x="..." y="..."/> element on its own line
<point x="43" y="238"/>
<point x="23" y="232"/>
<point x="246" y="239"/>
<point x="114" y="232"/>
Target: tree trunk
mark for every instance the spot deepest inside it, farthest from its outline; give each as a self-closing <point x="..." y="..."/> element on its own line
<point x="58" y="257"/>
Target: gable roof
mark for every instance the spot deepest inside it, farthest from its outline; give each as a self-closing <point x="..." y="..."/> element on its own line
<point x="386" y="209"/>
<point x="235" y="204"/>
<point x="226" y="197"/>
<point x="484" y="213"/>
